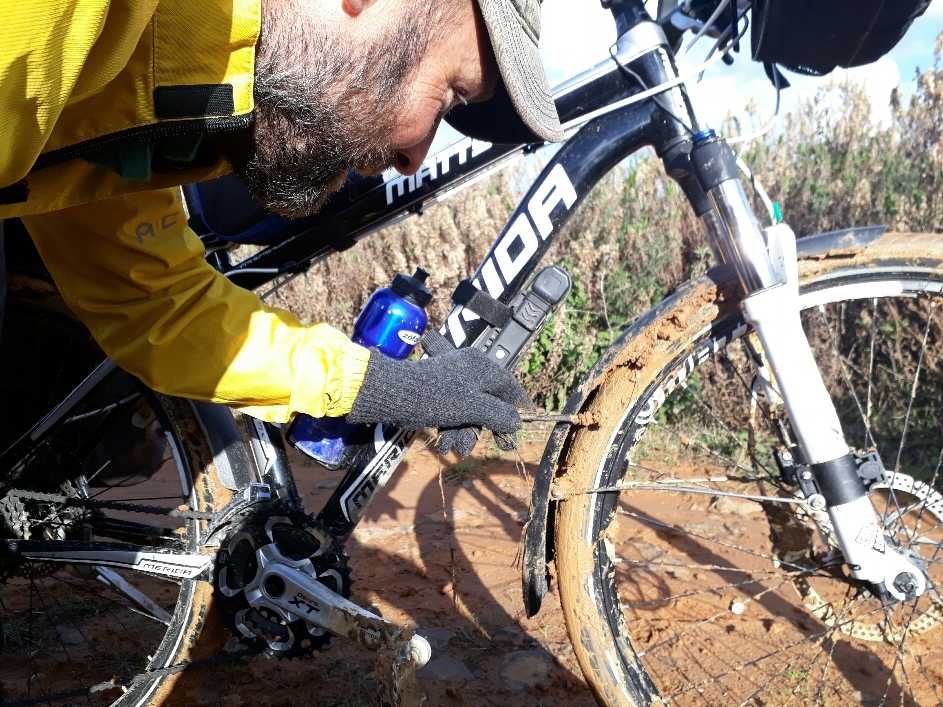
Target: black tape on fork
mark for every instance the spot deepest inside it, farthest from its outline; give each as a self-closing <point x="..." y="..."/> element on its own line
<point x="838" y="480"/>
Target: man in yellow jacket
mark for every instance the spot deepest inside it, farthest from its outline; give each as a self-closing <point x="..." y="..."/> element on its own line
<point x="107" y="106"/>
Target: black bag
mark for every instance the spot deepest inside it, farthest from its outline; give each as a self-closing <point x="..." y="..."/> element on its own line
<point x="815" y="36"/>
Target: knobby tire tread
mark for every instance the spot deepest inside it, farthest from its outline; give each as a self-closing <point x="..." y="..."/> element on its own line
<point x="699" y="305"/>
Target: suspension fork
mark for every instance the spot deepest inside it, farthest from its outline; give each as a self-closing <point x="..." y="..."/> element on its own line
<point x="768" y="273"/>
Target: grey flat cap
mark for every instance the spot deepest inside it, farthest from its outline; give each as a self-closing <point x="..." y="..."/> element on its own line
<point x="522" y="108"/>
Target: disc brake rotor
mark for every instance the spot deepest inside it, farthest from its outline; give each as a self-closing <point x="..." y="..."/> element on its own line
<point x="791" y="544"/>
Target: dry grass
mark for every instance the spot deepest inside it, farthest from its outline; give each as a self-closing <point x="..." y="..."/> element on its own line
<point x="635" y="238"/>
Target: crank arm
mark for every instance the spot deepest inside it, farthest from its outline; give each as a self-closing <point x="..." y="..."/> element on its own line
<point x="296" y="595"/>
<point x="168" y="565"/>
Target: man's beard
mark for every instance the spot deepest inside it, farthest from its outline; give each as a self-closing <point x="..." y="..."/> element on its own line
<point x="323" y="107"/>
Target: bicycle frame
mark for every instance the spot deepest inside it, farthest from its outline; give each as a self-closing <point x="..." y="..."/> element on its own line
<point x="665" y="122"/>
<point x="707" y="172"/>
<point x="568" y="178"/>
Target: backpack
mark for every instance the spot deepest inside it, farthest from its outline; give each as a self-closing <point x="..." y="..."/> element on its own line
<point x="815" y="36"/>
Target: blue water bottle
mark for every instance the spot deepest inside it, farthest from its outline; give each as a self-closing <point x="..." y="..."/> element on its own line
<point x="392" y="322"/>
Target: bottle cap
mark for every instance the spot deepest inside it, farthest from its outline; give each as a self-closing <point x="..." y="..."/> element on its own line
<point x="413" y="288"/>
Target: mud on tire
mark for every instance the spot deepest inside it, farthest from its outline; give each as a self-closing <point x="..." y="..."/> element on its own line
<point x="699" y="579"/>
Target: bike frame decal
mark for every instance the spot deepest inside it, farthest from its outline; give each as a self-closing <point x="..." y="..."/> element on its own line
<point x="515" y="250"/>
<point x="165" y="564"/>
<point x="398" y="186"/>
<point x="356" y="498"/>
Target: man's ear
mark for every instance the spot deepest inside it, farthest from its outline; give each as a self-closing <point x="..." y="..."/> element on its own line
<point x="353" y="7"/>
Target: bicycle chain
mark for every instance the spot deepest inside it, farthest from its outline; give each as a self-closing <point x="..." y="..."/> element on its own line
<point x="109" y="505"/>
<point x="12" y="501"/>
<point x="15" y="514"/>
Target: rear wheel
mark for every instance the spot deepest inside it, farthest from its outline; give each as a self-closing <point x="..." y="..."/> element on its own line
<point x="90" y="634"/>
<point x="700" y="578"/>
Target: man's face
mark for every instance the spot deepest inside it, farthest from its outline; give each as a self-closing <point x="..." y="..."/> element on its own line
<point x="342" y="85"/>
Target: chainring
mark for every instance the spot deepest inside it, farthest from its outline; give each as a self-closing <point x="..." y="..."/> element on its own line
<point x="297" y="537"/>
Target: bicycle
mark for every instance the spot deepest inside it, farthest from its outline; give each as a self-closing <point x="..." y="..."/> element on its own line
<point x="655" y="606"/>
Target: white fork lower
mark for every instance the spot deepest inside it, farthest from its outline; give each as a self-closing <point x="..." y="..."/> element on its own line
<point x="774" y="314"/>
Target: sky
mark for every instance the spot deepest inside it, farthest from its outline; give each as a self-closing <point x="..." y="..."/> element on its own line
<point x="577" y="34"/>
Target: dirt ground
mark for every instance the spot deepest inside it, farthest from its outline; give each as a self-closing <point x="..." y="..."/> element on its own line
<point x="453" y="575"/>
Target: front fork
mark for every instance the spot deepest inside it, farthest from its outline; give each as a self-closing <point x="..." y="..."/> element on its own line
<point x="767" y="268"/>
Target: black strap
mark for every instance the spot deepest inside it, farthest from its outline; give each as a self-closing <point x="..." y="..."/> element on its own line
<point x="197" y="101"/>
<point x="482" y="304"/>
<point x="16" y="193"/>
<point x="434" y="344"/>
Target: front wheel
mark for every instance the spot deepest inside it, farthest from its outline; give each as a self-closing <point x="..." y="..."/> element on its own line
<point x="689" y="570"/>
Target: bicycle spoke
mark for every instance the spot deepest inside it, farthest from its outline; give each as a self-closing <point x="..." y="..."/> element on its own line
<point x="922" y="506"/>
<point x="739" y="376"/>
<point x="913" y="395"/>
<point x="709" y="620"/>
<point x="769" y="655"/>
<point x="926" y="677"/>
<point x="704" y="448"/>
<point x="874" y="328"/>
<point x="831" y="642"/>
<point x="843" y="365"/>
<point x="783" y="672"/>
<point x="707" y="409"/>
<point x="753" y="553"/>
<point x="828" y="662"/>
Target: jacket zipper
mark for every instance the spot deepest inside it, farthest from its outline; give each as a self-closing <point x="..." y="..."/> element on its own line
<point x="132" y="135"/>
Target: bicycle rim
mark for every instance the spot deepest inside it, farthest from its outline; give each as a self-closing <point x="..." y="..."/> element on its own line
<point x="69" y="632"/>
<point x="701" y="581"/>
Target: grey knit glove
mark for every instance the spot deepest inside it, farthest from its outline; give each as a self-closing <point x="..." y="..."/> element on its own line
<point x="464" y="439"/>
<point x="455" y="392"/>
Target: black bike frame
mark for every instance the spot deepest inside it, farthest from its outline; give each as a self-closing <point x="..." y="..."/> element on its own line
<point x="664" y="122"/>
<point x="366" y="205"/>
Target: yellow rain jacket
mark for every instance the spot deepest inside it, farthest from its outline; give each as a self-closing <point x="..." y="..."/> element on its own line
<point x="102" y="103"/>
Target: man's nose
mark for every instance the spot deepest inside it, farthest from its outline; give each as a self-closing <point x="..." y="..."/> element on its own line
<point x="408" y="160"/>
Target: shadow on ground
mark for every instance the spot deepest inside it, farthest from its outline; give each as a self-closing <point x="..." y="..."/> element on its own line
<point x="453" y="575"/>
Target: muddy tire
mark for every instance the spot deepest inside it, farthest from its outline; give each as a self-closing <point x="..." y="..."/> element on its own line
<point x="701" y="579"/>
<point x="67" y="631"/>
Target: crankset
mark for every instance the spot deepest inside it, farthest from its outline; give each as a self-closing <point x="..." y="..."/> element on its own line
<point x="282" y="582"/>
<point x="246" y="561"/>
